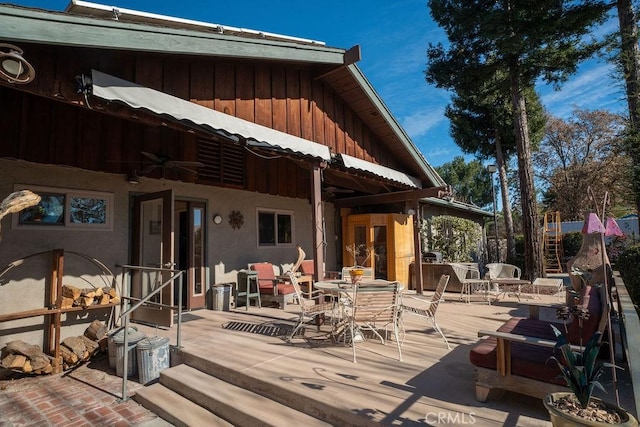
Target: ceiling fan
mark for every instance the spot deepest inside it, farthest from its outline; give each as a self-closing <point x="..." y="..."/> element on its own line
<point x="332" y="191"/>
<point x="163" y="161"/>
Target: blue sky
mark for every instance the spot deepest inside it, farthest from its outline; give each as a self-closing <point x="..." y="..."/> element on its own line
<point x="393" y="36"/>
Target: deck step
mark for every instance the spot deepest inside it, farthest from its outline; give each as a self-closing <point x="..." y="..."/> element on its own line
<point x="176" y="409"/>
<point x="237" y="405"/>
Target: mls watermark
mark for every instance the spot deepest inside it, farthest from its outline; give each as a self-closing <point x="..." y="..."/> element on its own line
<point x="453" y="418"/>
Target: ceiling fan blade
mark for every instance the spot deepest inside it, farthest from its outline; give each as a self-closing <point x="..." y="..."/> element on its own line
<point x="152" y="157"/>
<point x="184" y="164"/>
<point x="148" y="169"/>
<point x="180" y="167"/>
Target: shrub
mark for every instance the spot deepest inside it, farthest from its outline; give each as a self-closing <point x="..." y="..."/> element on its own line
<point x="629" y="267"/>
<point x="571" y="243"/>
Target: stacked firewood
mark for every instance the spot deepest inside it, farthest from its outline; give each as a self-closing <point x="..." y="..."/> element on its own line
<point x="76" y="297"/>
<point x="20" y="356"/>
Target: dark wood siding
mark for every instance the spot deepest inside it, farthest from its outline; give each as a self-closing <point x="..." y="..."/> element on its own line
<point x="285" y="97"/>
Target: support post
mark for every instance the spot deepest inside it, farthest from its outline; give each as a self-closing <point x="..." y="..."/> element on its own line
<point x="317" y="219"/>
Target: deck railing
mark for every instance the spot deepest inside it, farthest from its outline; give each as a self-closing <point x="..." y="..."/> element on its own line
<point x="630" y="336"/>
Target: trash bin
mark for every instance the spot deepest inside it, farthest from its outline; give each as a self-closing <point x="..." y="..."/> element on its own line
<point x="221" y="296"/>
<point x="117" y="341"/>
<point x="153" y="357"/>
<point x="111" y="347"/>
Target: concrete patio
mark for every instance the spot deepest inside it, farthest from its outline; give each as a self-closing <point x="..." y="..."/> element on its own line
<point x="432" y="386"/>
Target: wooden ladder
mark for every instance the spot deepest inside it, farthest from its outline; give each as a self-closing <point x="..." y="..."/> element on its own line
<point x="552" y="242"/>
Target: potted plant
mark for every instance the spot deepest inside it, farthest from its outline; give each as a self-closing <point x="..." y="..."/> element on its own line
<point x="360" y="255"/>
<point x="581" y="371"/>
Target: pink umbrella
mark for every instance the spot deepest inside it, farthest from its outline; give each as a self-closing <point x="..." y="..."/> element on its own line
<point x="612" y="228"/>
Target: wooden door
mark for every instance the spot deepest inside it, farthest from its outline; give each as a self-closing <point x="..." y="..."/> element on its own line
<point x="153" y="240"/>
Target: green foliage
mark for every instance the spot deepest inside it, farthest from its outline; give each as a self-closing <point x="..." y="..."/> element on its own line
<point x="458" y="239"/>
<point x="629" y="267"/>
<point x="471" y="182"/>
<point x="579" y="368"/>
<point x="571" y="243"/>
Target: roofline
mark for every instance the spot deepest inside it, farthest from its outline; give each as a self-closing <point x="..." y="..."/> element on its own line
<point x="417" y="156"/>
<point x="453" y="204"/>
<point x="52" y="27"/>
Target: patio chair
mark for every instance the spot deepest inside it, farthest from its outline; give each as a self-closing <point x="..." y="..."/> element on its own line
<point x="375" y="305"/>
<point x="469" y="277"/>
<point x="271" y="287"/>
<point x="315" y="306"/>
<point x="427" y="309"/>
<point x="500" y="273"/>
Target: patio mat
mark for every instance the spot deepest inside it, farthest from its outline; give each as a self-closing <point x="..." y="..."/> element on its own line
<point x="271" y="330"/>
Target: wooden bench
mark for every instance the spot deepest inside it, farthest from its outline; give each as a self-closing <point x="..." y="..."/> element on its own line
<point x="514" y="357"/>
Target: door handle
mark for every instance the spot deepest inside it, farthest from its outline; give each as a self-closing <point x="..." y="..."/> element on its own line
<point x="168" y="265"/>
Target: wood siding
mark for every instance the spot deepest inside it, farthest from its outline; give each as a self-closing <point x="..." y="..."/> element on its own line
<point x="287" y="98"/>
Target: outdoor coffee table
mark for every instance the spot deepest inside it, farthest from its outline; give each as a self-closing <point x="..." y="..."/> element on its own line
<point x="505" y="285"/>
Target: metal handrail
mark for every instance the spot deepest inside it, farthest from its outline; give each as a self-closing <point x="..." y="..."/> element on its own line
<point x="127" y="312"/>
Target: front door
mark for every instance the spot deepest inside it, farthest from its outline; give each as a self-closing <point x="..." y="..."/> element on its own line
<point x="153" y="246"/>
<point x="189" y="220"/>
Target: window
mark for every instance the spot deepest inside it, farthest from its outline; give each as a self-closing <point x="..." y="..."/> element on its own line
<point x="275" y="228"/>
<point x="60" y="208"/>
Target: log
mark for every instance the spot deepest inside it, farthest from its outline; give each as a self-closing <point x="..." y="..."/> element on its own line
<point x="67" y="302"/>
<point x="75" y="344"/>
<point x="68" y="356"/>
<point x="21" y="347"/>
<point x="27" y="367"/>
<point x="14" y="361"/>
<point x="115" y="300"/>
<point x="71" y="292"/>
<point x="88" y="293"/>
<point x="96" y="330"/>
<point x="103" y="299"/>
<point x="99" y="292"/>
<point x="91" y="345"/>
<point x="83" y="301"/>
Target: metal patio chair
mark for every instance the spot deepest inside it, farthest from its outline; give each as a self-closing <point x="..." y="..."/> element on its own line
<point x="427" y="309"/>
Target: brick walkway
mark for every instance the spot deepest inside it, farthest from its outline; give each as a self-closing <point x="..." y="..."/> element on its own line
<point x="86" y="396"/>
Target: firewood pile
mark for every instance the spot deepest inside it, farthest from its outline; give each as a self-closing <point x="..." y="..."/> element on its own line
<point x="76" y="297"/>
<point x="29" y="359"/>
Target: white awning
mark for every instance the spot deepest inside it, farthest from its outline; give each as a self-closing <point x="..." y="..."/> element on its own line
<point x="379" y="170"/>
<point x="112" y="88"/>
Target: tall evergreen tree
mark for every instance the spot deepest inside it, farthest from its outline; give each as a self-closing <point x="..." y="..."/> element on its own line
<point x="629" y="63"/>
<point x="482" y="124"/>
<point x="527" y="41"/>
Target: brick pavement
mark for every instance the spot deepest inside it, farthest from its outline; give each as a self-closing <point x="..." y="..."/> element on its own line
<point x="86" y="396"/>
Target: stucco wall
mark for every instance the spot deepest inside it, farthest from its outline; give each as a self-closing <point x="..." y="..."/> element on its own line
<point x="228" y="250"/>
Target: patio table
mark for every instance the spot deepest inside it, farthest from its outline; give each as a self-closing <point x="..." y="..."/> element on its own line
<point x="503" y="285"/>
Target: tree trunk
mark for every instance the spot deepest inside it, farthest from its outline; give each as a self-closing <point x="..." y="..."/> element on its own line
<point x="629" y="59"/>
<point x="506" y="206"/>
<point x="530" y="222"/>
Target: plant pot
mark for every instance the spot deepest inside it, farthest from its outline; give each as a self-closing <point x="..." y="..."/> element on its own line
<point x="560" y="418"/>
<point x="356" y="275"/>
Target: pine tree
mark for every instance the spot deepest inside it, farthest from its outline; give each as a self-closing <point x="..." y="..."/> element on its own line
<point x="526" y="41"/>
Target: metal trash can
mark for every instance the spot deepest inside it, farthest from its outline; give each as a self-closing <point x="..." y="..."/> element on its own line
<point x="221" y="296"/>
<point x="111" y="345"/>
<point x="117" y="340"/>
<point x="153" y="357"/>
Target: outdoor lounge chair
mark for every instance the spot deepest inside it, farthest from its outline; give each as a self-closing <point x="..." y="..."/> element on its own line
<point x="272" y="288"/>
<point x="427" y="309"/>
<point x="375" y="305"/>
<point x="514" y="357"/>
<point x="315" y="306"/>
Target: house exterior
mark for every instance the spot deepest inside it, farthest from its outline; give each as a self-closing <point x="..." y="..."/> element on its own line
<point x="164" y="142"/>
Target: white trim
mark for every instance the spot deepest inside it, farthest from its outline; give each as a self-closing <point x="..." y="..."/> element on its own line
<point x="379" y="170"/>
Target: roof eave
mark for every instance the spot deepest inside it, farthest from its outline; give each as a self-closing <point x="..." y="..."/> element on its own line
<point x="429" y="172"/>
<point x="48" y="27"/>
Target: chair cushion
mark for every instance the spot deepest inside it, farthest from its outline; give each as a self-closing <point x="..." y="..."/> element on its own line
<point x="307" y="267"/>
<point x="283" y="289"/>
<point x="266" y="276"/>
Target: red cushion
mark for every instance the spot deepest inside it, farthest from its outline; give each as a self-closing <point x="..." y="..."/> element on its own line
<point x="283" y="289"/>
<point x="307" y="267"/>
<point x="266" y="275"/>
